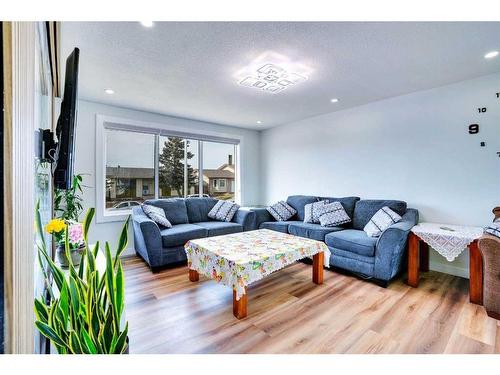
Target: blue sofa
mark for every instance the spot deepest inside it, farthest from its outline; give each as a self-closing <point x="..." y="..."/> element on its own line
<point x="351" y="249"/>
<point x="160" y="246"/>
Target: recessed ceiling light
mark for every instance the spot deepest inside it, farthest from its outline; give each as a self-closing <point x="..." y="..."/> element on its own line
<point x="491" y="55"/>
<point x="147" y="23"/>
<point x="259" y="122"/>
<point x="334" y="100"/>
<point x="109" y="91"/>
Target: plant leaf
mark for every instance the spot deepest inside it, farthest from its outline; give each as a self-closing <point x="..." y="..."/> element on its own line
<point x="88" y="342"/>
<point x="41" y="311"/>
<point x="121" y="343"/>
<point x="50" y="333"/>
<point x="123" y="241"/>
<point x="74" y="343"/>
<point x="120" y="291"/>
<point x="111" y="285"/>
<point x="86" y="223"/>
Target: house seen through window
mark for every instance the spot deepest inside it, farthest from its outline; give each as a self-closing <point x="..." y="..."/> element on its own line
<point x="132" y="175"/>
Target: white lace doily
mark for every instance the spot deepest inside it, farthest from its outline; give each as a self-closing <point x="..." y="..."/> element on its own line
<point x="447" y="240"/>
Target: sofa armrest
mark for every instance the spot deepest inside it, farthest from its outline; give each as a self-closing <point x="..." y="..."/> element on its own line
<point x="147" y="238"/>
<point x="391" y="246"/>
<point x="246" y="218"/>
<point x="262" y="215"/>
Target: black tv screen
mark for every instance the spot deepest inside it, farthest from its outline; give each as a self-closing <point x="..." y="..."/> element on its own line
<point x="65" y="130"/>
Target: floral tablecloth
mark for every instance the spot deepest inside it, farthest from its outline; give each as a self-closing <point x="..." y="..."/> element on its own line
<point x="237" y="260"/>
<point x="447" y="240"/>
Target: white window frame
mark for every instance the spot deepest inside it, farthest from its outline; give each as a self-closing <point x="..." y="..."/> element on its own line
<point x="221" y="183"/>
<point x="175" y="128"/>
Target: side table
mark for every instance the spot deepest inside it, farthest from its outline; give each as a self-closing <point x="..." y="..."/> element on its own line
<point x="449" y="241"/>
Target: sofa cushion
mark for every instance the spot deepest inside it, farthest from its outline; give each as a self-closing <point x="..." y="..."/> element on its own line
<point x="333" y="215"/>
<point x="312" y="211"/>
<point x="156" y="214"/>
<point x="223" y="211"/>
<point x="179" y="234"/>
<point x="175" y="209"/>
<point x="312" y="231"/>
<point x="382" y="220"/>
<point x="198" y="208"/>
<point x="281" y="211"/>
<point x="353" y="240"/>
<point x="366" y="208"/>
<point x="278" y="226"/>
<point x="298" y="202"/>
<point x="347" y="202"/>
<point x="218" y="228"/>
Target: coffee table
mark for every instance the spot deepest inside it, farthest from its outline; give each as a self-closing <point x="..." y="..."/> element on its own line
<point x="239" y="259"/>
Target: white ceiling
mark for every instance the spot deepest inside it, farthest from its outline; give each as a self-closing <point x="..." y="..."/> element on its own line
<point x="188" y="69"/>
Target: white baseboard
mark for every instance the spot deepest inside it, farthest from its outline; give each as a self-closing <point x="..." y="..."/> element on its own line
<point x="449" y="269"/>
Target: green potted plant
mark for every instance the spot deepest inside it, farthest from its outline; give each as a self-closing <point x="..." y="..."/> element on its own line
<point x="83" y="315"/>
<point x="68" y="207"/>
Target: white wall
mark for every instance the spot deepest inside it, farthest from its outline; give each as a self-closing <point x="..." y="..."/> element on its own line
<point x="414" y="147"/>
<point x="86" y="149"/>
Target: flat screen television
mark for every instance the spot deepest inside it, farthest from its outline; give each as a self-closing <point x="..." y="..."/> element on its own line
<point x="66" y="124"/>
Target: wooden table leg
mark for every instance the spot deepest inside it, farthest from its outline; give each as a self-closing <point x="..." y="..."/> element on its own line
<point x="240" y="306"/>
<point x="318" y="260"/>
<point x="193" y="275"/>
<point x="413" y="260"/>
<point x="475" y="274"/>
<point x="424" y="256"/>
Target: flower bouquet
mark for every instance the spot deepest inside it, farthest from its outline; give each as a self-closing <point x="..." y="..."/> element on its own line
<point x="61" y="229"/>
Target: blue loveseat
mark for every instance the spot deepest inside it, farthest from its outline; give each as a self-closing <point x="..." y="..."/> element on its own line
<point x="351" y="248"/>
<point x="160" y="246"/>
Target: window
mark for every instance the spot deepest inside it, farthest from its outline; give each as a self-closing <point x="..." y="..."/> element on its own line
<point x="130" y="170"/>
<point x="143" y="163"/>
<point x="219" y="167"/>
<point x="178" y="167"/>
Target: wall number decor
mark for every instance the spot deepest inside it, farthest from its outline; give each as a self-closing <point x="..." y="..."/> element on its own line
<point x="481" y="110"/>
<point x="473" y="128"/>
<point x="498" y="94"/>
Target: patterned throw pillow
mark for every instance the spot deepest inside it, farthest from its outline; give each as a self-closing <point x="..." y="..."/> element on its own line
<point x="493" y="228"/>
<point x="156" y="214"/>
<point x="382" y="220"/>
<point x="281" y="211"/>
<point x="333" y="214"/>
<point x="223" y="211"/>
<point x="312" y="211"/>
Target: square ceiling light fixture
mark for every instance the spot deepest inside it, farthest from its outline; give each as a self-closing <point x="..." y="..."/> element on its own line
<point x="272" y="73"/>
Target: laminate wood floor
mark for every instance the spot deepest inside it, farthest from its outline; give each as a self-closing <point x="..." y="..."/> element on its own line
<point x="287" y="313"/>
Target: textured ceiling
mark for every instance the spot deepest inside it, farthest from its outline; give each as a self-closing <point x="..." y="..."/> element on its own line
<point x="188" y="69"/>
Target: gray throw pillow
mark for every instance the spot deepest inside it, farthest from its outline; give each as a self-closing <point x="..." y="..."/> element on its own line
<point x="382" y="220"/>
<point x="156" y="214"/>
<point x="312" y="211"/>
<point x="333" y="214"/>
<point x="223" y="211"/>
<point x="281" y="211"/>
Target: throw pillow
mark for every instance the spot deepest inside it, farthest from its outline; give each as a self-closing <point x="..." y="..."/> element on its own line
<point x="382" y="220"/>
<point x="333" y="214"/>
<point x="493" y="228"/>
<point x="312" y="211"/>
<point x="156" y="214"/>
<point x="281" y="211"/>
<point x="223" y="211"/>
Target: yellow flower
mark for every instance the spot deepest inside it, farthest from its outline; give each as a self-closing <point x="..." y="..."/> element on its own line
<point x="55" y="226"/>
